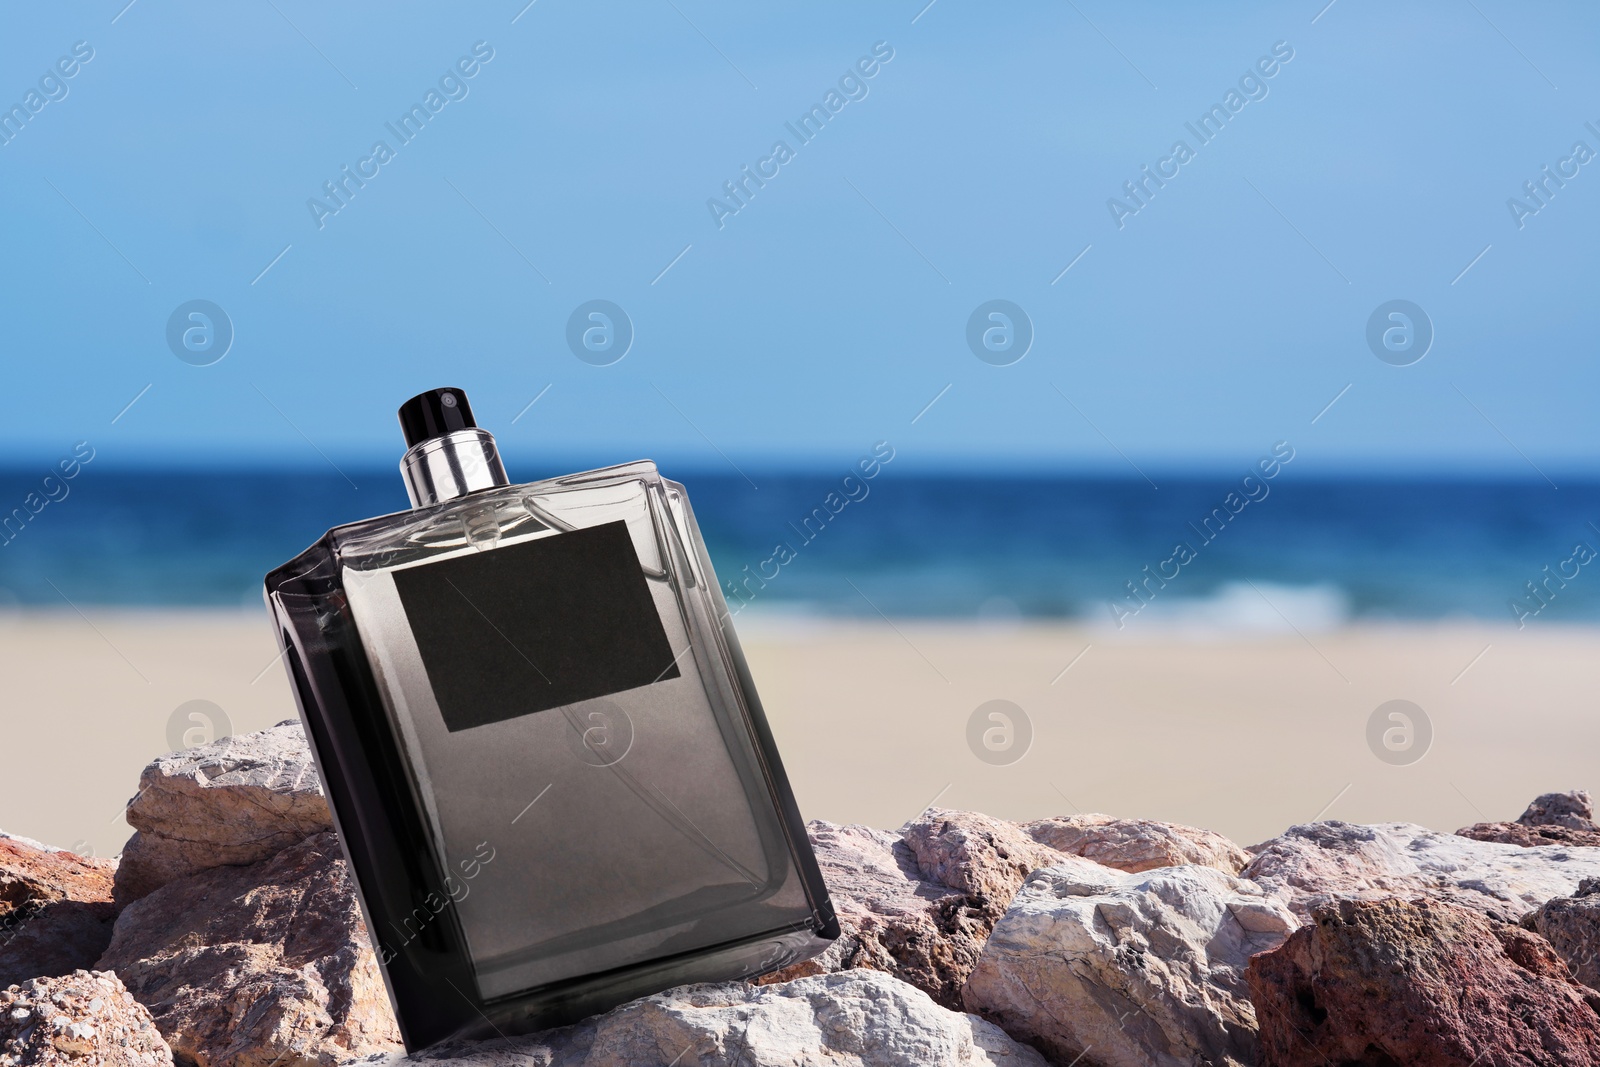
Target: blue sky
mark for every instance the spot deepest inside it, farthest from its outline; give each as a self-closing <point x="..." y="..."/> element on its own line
<point x="833" y="307"/>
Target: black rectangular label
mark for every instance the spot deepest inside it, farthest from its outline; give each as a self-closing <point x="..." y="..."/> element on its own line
<point x="530" y="627"/>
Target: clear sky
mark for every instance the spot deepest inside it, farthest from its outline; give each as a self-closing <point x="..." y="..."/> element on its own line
<point x="1217" y="313"/>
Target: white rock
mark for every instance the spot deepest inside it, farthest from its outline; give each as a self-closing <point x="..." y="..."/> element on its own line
<point x="1317" y="861"/>
<point x="857" y="1018"/>
<point x="1129" y="969"/>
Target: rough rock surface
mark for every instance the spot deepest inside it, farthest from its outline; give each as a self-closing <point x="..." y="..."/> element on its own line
<point x="243" y="965"/>
<point x="1572" y="809"/>
<point x="895" y="913"/>
<point x="1552" y="819"/>
<point x="857" y="1018"/>
<point x="1138" y="844"/>
<point x="55" y="910"/>
<point x="1572" y="926"/>
<point x="81" y="1018"/>
<point x="1515" y="833"/>
<point x="1129" y="969"/>
<point x="235" y="801"/>
<point x="890" y="918"/>
<point x="1421" y="983"/>
<point x="987" y="859"/>
<point x="1321" y="861"/>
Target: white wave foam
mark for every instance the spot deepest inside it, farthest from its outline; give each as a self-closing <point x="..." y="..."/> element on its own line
<point x="1256" y="607"/>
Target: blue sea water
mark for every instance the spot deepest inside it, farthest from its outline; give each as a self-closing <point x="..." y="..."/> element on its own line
<point x="1319" y="551"/>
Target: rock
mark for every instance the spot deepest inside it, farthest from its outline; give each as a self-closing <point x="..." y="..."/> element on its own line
<point x="858" y="1018"/>
<point x="1572" y="926"/>
<point x="1138" y="844"/>
<point x="243" y="965"/>
<point x="1316" y="862"/>
<point x="237" y="800"/>
<point x="1516" y="833"/>
<point x="1552" y="819"/>
<point x="1572" y="810"/>
<point x="896" y="915"/>
<point x="55" y="910"/>
<point x="890" y="918"/>
<point x="985" y="858"/>
<point x="81" y="1018"/>
<point x="1422" y="983"/>
<point x="1129" y="969"/>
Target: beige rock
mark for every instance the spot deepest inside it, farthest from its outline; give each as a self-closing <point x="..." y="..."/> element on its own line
<point x="235" y="801"/>
<point x="55" y="910"/>
<point x="1138" y="844"/>
<point x="1319" y="862"/>
<point x="83" y="1018"/>
<point x="258" y="965"/>
<point x="858" y="1018"/>
<point x="1129" y="969"/>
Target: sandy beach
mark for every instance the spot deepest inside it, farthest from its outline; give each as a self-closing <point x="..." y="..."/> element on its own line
<point x="1245" y="733"/>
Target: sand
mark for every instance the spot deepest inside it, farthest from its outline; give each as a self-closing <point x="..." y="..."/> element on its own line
<point x="1242" y="733"/>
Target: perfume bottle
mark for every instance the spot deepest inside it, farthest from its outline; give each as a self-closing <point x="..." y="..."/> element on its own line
<point x="543" y="751"/>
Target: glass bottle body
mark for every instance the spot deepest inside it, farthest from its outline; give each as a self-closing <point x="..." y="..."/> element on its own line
<point x="552" y="775"/>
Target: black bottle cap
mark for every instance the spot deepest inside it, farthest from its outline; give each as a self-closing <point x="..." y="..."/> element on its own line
<point x="433" y="414"/>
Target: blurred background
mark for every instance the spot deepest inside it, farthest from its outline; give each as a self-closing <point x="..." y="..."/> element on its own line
<point x="1237" y="369"/>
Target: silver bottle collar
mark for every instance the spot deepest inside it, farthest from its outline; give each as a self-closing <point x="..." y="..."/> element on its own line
<point x="451" y="465"/>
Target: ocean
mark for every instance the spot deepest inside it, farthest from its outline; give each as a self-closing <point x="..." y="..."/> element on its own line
<point x="1311" y="552"/>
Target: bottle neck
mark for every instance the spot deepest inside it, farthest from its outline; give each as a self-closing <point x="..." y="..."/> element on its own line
<point x="451" y="465"/>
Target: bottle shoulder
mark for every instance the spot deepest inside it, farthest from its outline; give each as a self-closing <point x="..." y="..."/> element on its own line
<point x="486" y="518"/>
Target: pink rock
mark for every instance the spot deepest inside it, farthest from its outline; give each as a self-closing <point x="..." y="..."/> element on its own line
<point x="1572" y="809"/>
<point x="55" y="910"/>
<point x="988" y="859"/>
<point x="919" y="905"/>
<point x="1572" y="926"/>
<point x="1420" y="983"/>
<point x="1552" y="819"/>
<point x="1136" y="845"/>
<point x="1516" y="833"/>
